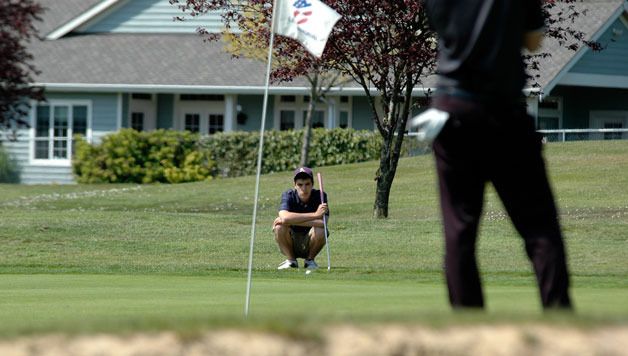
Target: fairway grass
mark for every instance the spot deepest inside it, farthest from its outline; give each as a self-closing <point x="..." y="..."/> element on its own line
<point x="124" y="258"/>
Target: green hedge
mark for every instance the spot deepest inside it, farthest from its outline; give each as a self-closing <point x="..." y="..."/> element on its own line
<point x="9" y="169"/>
<point x="129" y="156"/>
<point x="171" y="156"/>
<point x="235" y="153"/>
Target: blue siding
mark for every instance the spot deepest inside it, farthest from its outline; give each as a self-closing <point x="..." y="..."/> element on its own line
<point x="104" y="120"/>
<point x="362" y="114"/>
<point x="151" y="16"/>
<point x="165" y="111"/>
<point x="252" y="107"/>
<point x="610" y="61"/>
<point x="17" y="150"/>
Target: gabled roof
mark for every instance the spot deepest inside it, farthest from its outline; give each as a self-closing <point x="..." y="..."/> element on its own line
<point x="596" y="16"/>
<point x="61" y="12"/>
<point x="183" y="62"/>
<point x="120" y="60"/>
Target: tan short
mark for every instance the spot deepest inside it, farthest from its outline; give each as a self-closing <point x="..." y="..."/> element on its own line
<point x="300" y="243"/>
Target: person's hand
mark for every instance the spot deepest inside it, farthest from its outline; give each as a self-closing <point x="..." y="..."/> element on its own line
<point x="278" y="221"/>
<point x="322" y="209"/>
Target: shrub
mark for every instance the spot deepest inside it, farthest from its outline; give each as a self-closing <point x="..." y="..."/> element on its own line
<point x="9" y="169"/>
<point x="129" y="156"/>
<point x="235" y="153"/>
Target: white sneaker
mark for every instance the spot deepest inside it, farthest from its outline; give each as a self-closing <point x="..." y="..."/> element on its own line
<point x="310" y="264"/>
<point x="288" y="264"/>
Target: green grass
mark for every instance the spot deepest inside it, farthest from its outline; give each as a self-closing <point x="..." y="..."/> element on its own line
<point x="128" y="257"/>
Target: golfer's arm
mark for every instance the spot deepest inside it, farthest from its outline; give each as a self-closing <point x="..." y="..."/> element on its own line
<point x="312" y="223"/>
<point x="300" y="219"/>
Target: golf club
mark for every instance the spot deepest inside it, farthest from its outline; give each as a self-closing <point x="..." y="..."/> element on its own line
<point x="320" y="185"/>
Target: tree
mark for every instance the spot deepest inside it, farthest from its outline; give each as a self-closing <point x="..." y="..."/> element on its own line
<point x="385" y="45"/>
<point x="286" y="66"/>
<point x="16" y="70"/>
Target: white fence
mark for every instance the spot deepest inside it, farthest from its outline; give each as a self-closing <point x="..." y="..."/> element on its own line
<point x="584" y="134"/>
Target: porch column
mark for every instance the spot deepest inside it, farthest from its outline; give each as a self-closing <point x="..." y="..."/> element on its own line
<point x="532" y="102"/>
<point x="230" y="112"/>
<point x="331" y="114"/>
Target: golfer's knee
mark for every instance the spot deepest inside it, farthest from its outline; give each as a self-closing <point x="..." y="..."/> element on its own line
<point x="318" y="233"/>
<point x="281" y="232"/>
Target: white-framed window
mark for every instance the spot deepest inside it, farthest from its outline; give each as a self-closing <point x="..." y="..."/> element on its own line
<point x="54" y="124"/>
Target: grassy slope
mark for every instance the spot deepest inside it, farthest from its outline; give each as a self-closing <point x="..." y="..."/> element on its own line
<point x="114" y="257"/>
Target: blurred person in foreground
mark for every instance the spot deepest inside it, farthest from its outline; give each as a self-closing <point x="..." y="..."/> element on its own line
<point x="487" y="136"/>
<point x="299" y="227"/>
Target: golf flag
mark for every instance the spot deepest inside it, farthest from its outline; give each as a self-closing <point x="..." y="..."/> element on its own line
<point x="308" y="21"/>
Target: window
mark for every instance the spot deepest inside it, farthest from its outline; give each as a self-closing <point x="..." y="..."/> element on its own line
<point x="286" y="120"/>
<point x="343" y="121"/>
<point x="216" y="123"/>
<point x="137" y="121"/>
<point x="192" y="122"/>
<point x="550" y="114"/>
<point x="318" y="119"/>
<point x="288" y="99"/>
<point x="141" y="96"/>
<point x="55" y="124"/>
<point x="548" y="123"/>
<point x="202" y="97"/>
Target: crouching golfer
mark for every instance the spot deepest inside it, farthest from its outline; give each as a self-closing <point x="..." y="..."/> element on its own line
<point x="299" y="228"/>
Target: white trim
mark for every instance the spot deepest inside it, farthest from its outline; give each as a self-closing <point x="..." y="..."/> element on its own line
<point x="119" y="113"/>
<point x="595" y="80"/>
<point x="81" y="19"/>
<point x="32" y="139"/>
<point x="581" y="51"/>
<point x="205" y="89"/>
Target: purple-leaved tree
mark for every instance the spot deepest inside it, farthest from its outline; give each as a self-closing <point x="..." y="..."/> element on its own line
<point x="16" y="69"/>
<point x="387" y="46"/>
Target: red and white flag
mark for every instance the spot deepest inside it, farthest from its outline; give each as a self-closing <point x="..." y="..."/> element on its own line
<point x="308" y="21"/>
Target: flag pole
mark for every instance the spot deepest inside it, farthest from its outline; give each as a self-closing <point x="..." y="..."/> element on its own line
<point x="259" y="158"/>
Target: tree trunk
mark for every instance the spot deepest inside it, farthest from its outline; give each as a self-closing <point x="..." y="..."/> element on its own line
<point x="307" y="134"/>
<point x="384" y="178"/>
<point x="389" y="159"/>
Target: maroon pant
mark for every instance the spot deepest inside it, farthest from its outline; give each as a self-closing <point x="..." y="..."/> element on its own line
<point x="497" y="145"/>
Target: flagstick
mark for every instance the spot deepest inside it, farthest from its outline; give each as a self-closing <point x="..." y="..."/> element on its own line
<point x="259" y="159"/>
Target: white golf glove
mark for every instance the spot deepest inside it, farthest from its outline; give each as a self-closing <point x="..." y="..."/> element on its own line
<point x="429" y="124"/>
